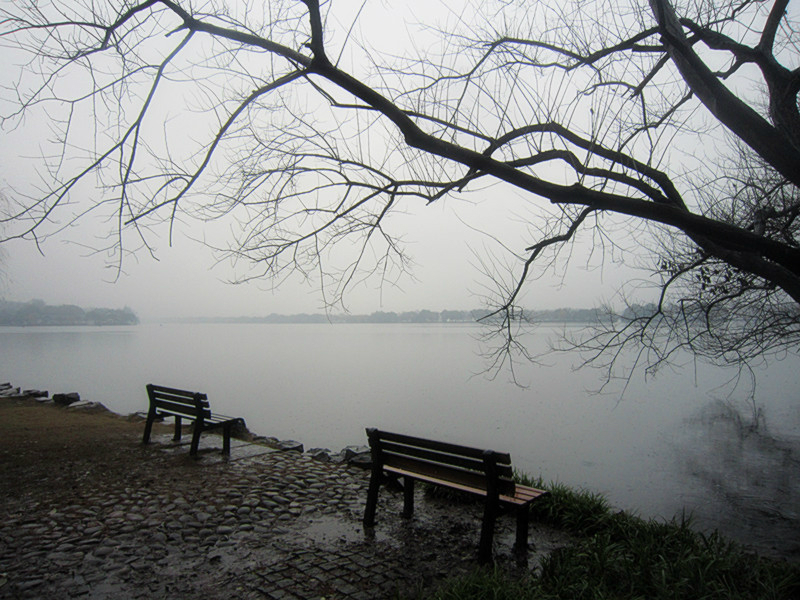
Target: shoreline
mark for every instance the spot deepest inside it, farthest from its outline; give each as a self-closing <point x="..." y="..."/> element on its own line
<point x="92" y="511"/>
<point x="778" y="545"/>
<point x="357" y="455"/>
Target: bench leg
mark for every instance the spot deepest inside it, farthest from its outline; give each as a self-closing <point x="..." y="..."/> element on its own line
<point x="487" y="533"/>
<point x="521" y="542"/>
<point x="372" y="498"/>
<point x="408" y="497"/>
<point x="195" y="439"/>
<point x="177" y="436"/>
<point x="148" y="428"/>
<point x="226" y="439"/>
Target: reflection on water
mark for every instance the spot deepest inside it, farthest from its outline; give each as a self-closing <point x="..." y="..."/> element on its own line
<point x="751" y="477"/>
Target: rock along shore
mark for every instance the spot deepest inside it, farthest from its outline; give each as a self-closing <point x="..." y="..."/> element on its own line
<point x="358" y="455"/>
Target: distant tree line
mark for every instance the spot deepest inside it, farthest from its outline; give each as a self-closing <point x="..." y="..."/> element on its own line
<point x="36" y="313"/>
<point x="559" y="315"/>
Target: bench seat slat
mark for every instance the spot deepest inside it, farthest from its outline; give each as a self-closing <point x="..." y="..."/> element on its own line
<point x="220" y="418"/>
<point x="216" y="420"/>
<point x="160" y="389"/>
<point x="387" y="436"/>
<point x="436" y="456"/>
<point x="190" y="405"/>
<point x="523" y="494"/>
<point x="445" y="473"/>
<point x="188" y="400"/>
<point x="181" y="397"/>
<point x="435" y="470"/>
<point x="181" y="409"/>
<point x="190" y="413"/>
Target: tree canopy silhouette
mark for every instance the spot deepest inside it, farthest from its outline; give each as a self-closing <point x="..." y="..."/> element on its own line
<point x="677" y="121"/>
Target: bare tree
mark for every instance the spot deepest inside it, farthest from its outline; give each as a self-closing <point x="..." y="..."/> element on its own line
<point x="681" y="116"/>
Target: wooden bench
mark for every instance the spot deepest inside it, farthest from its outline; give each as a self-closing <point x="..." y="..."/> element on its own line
<point x="484" y="473"/>
<point x="183" y="404"/>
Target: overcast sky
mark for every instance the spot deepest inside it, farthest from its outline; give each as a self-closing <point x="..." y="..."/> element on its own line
<point x="187" y="279"/>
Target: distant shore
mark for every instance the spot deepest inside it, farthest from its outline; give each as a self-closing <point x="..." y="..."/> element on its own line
<point x="475" y="316"/>
<point x="38" y="313"/>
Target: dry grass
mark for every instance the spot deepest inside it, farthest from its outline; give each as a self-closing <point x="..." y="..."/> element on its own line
<point x="48" y="452"/>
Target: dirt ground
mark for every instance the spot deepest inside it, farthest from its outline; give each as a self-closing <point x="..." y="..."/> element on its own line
<point x="47" y="451"/>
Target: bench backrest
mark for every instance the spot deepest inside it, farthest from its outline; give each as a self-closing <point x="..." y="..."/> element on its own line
<point x="461" y="465"/>
<point x="183" y="403"/>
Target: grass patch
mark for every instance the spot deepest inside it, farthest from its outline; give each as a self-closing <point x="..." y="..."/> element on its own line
<point x="646" y="559"/>
<point x="617" y="555"/>
<point x="488" y="584"/>
<point x="577" y="511"/>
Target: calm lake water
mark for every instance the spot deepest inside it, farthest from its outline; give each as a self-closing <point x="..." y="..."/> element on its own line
<point x="671" y="443"/>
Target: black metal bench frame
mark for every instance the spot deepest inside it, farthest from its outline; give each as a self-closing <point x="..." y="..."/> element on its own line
<point x="183" y="404"/>
<point x="484" y="473"/>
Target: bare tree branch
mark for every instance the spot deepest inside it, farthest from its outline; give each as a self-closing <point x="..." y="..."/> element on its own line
<point x="633" y="116"/>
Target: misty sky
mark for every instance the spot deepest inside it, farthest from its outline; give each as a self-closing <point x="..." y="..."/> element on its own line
<point x="187" y="279"/>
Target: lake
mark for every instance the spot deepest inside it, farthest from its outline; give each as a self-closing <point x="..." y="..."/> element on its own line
<point x="679" y="441"/>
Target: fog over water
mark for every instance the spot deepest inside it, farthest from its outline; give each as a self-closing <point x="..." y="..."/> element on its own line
<point x="677" y="441"/>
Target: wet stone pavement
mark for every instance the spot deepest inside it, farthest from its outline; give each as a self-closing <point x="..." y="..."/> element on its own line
<point x="264" y="524"/>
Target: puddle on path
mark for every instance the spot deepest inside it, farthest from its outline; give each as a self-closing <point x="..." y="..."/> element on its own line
<point x="328" y="529"/>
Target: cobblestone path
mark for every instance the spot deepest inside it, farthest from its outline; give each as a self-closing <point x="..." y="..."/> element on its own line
<point x="265" y="524"/>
